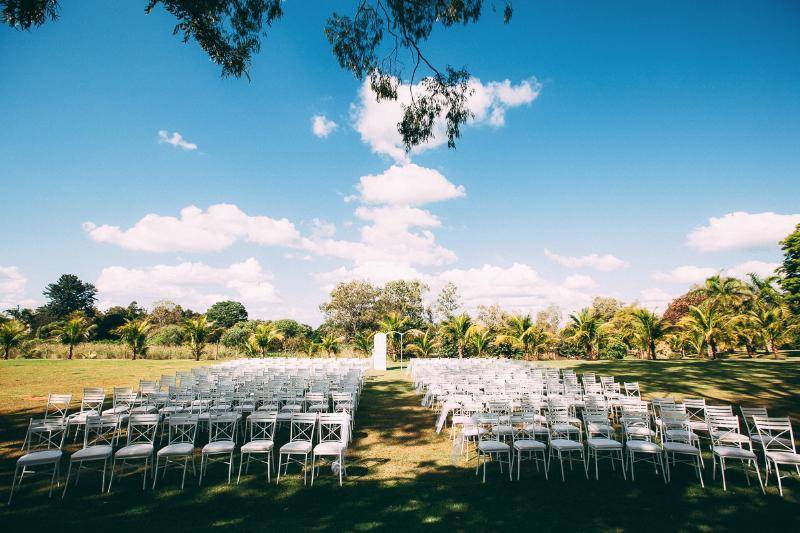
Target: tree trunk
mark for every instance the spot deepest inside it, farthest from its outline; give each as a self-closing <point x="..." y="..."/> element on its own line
<point x="133" y="357"/>
<point x="712" y="350"/>
<point x="69" y="355"/>
<point x="6" y="349"/>
<point x="652" y="348"/>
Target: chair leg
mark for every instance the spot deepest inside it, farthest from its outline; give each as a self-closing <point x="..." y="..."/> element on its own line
<point x="53" y="479"/>
<point x="66" y="483"/>
<point x="313" y="460"/>
<point x="230" y="467"/>
<point x="185" y="466"/>
<point x="241" y="461"/>
<point x="113" y="469"/>
<point x="155" y="470"/>
<point x="341" y="467"/>
<point x="278" y="479"/>
<point x="305" y="467"/>
<point x="722" y="470"/>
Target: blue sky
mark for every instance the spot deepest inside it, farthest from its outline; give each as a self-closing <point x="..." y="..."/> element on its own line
<point x="662" y="137"/>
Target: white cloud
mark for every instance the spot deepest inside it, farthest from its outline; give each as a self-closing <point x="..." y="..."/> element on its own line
<point x="685" y="274"/>
<point x="12" y="289"/>
<point x="196" y="231"/>
<point x="579" y="281"/>
<point x="176" y="140"/>
<point x="742" y="231"/>
<point x="519" y="288"/>
<point x="376" y="122"/>
<point x="603" y="263"/>
<point x="408" y="184"/>
<point x="760" y="268"/>
<point x="194" y="285"/>
<point x="655" y="299"/>
<point x="321" y="126"/>
<point x="392" y="234"/>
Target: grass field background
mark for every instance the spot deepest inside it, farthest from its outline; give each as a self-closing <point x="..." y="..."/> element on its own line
<point x="402" y="475"/>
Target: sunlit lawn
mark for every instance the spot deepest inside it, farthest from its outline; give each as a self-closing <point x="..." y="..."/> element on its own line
<point x="402" y="475"/>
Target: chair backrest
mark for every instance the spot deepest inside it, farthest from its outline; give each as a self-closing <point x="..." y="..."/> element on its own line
<point x="57" y="406"/>
<point x="302" y="427"/>
<point x="714" y="411"/>
<point x="597" y="424"/>
<point x="93" y="399"/>
<point x="142" y="428"/>
<point x="632" y="389"/>
<point x="747" y="415"/>
<point x="676" y="426"/>
<point x="724" y="430"/>
<point x="633" y="421"/>
<point x="262" y="425"/>
<point x="333" y="427"/>
<point x="182" y="428"/>
<point x="222" y="427"/>
<point x="53" y="438"/>
<point x="101" y="430"/>
<point x="775" y="434"/>
<point x="695" y="408"/>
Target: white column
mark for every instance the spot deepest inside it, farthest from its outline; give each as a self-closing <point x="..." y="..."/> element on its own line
<point x="379" y="352"/>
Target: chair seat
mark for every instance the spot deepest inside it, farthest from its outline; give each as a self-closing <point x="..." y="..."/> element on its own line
<point x="731" y="438"/>
<point x="328" y="448"/>
<point x="536" y="428"/>
<point x="733" y="452"/>
<point x="681" y="434"/>
<point x="220" y="446"/>
<point x="258" y="446"/>
<point x="786" y="458"/>
<point x="493" y="446"/>
<point x="292" y="407"/>
<point x="133" y="451"/>
<point x="641" y="432"/>
<point x="600" y="442"/>
<point x="529" y="444"/>
<point x="40" y="458"/>
<point x="565" y="444"/>
<point x="563" y="428"/>
<point x="80" y="418"/>
<point x="503" y="430"/>
<point x="698" y="425"/>
<point x="118" y="410"/>
<point x="472" y="431"/>
<point x="144" y="409"/>
<point x="297" y="446"/>
<point x="318" y="408"/>
<point x="178" y="448"/>
<point x="594" y="427"/>
<point x="680" y="447"/>
<point x="643" y="446"/>
<point x="171" y="409"/>
<point x="99" y="451"/>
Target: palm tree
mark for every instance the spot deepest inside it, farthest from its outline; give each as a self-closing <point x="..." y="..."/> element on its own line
<point x="773" y="326"/>
<point x="331" y="343"/>
<point x="649" y="329"/>
<point x="457" y="328"/>
<point x="707" y="325"/>
<point x="12" y="333"/>
<point x="362" y="342"/>
<point x="394" y="322"/>
<point x="586" y="331"/>
<point x="423" y="343"/>
<point x="73" y="332"/>
<point x="134" y="333"/>
<point x="521" y="332"/>
<point x="480" y="338"/>
<point x="264" y="337"/>
<point x="196" y="332"/>
<point x="724" y="292"/>
<point x="310" y="348"/>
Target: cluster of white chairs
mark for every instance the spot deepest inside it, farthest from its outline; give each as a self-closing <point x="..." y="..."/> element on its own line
<point x="514" y="411"/>
<point x="239" y="404"/>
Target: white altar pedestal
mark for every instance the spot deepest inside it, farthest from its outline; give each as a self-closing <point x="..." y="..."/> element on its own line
<point x="379" y="352"/>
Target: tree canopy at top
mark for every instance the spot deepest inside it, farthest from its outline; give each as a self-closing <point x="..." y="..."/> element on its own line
<point x="372" y="43"/>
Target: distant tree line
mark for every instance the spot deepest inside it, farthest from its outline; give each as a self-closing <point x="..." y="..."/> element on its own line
<point x="757" y="316"/>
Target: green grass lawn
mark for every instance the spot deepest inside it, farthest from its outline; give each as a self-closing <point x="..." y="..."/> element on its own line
<point x="402" y="475"/>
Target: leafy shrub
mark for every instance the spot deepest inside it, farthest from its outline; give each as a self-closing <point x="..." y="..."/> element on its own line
<point x="169" y="335"/>
<point x="614" y="350"/>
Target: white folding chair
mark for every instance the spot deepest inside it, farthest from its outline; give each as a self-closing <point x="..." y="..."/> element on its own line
<point x="222" y="431"/>
<point x="678" y="440"/>
<point x="726" y="443"/>
<point x="261" y="432"/>
<point x="182" y="431"/>
<point x="99" y="438"/>
<point x="56" y="410"/>
<point x="526" y="447"/>
<point x="639" y="439"/>
<point x="301" y="437"/>
<point x="333" y="438"/>
<point x="139" y="447"/>
<point x="562" y="442"/>
<point x="490" y="448"/>
<point x="600" y="441"/>
<point x="777" y="441"/>
<point x="43" y="451"/>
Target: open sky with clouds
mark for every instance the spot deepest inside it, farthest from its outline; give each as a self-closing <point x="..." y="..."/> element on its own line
<point x="617" y="149"/>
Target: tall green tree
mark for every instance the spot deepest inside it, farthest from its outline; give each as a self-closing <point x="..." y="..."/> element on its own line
<point x="227" y="313"/>
<point x="265" y="337"/>
<point x="352" y="307"/>
<point x="12" y="334"/>
<point x="196" y="334"/>
<point x="448" y="303"/>
<point x="69" y="295"/>
<point x="522" y="333"/>
<point x="135" y="333"/>
<point x="380" y="40"/>
<point x="585" y="330"/>
<point x="404" y="297"/>
<point x="73" y="332"/>
<point x="790" y="269"/>
<point x="649" y="330"/>
<point x="773" y="325"/>
<point x="481" y="339"/>
<point x="708" y="325"/>
<point x="423" y="343"/>
<point x="457" y="330"/>
<point x="331" y="344"/>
